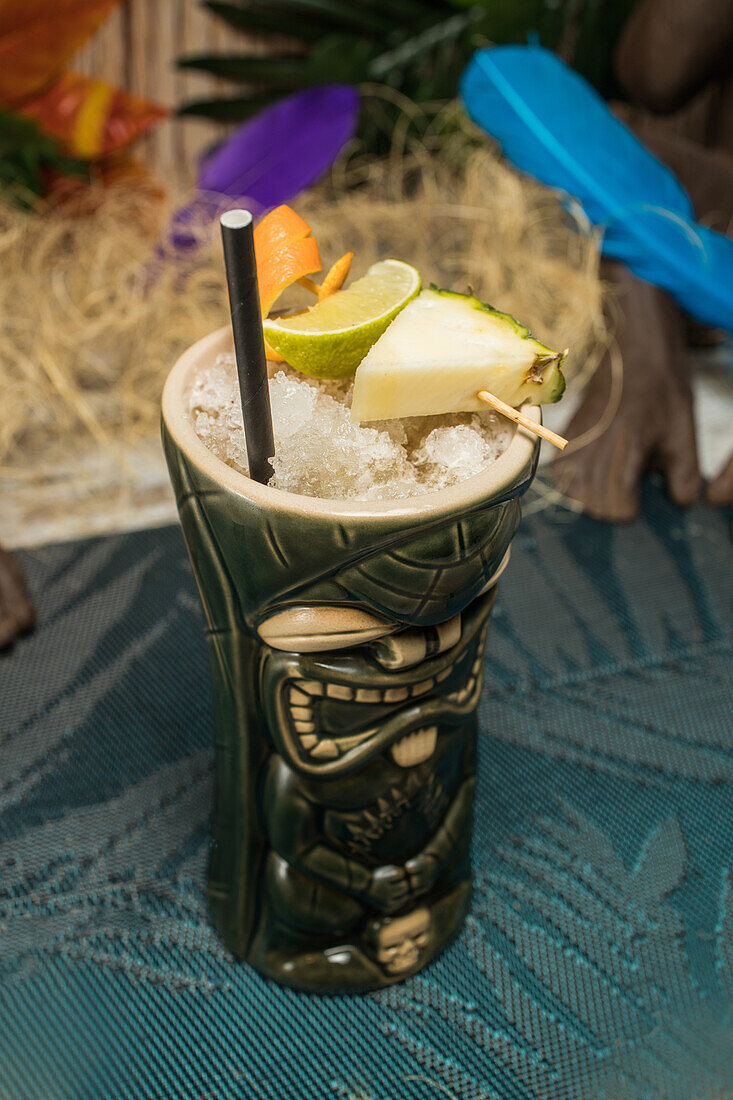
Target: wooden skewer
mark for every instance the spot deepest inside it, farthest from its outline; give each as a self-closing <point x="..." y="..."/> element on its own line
<point x="520" y="418"/>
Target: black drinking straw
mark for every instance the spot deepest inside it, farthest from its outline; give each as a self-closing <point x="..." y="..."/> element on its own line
<point x="249" y="343"/>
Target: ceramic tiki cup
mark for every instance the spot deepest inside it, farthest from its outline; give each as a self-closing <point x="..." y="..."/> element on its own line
<point x="346" y="642"/>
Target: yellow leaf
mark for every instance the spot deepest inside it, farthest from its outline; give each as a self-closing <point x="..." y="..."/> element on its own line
<point x="89" y="118"/>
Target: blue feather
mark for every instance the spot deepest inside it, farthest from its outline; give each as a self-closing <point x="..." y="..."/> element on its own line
<point x="553" y="125"/>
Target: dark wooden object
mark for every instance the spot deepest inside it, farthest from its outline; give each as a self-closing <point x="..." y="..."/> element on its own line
<point x="16" y="610"/>
<point x="670" y="52"/>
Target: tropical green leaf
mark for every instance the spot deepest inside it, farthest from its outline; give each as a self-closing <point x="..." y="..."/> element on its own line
<point x="512" y="20"/>
<point x="226" y="108"/>
<point x="25" y="151"/>
<point x="415" y="48"/>
<point x="413" y="10"/>
<point x="266" y="20"/>
<point x="335" y="15"/>
<point x="584" y="33"/>
<point x="345" y="14"/>
<point x="284" y="72"/>
<point x="341" y="59"/>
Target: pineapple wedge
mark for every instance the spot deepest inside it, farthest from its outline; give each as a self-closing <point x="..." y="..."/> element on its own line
<point x="441" y="349"/>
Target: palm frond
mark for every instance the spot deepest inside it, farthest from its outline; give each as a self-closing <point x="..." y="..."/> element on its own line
<point x="330" y="15"/>
<point x="226" y="108"/>
<point x="417" y="47"/>
<point x="266" y="19"/>
<point x="284" y="72"/>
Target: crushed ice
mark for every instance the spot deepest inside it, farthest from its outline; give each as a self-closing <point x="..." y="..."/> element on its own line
<point x="319" y="452"/>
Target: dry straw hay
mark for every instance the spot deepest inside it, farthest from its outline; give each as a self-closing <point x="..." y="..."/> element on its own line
<point x="92" y="319"/>
<point x="96" y="309"/>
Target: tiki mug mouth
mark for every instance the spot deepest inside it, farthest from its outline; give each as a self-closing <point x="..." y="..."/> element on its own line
<point x="330" y="714"/>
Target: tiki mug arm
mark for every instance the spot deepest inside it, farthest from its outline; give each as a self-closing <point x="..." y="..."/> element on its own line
<point x="423" y="869"/>
<point x="385" y="887"/>
<point x="293" y="826"/>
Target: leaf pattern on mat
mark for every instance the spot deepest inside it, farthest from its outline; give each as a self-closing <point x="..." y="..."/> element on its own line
<point x="597" y="961"/>
<point x="117" y="880"/>
<point x="124" y="884"/>
<point x="627" y="662"/>
<point x="583" y="981"/>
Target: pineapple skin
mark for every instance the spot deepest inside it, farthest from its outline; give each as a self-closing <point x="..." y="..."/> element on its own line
<point x="533" y="374"/>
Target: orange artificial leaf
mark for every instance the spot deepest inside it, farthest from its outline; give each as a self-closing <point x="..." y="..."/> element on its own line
<point x="280" y="269"/>
<point x="277" y="228"/>
<point x="336" y="277"/>
<point x="91" y="119"/>
<point x="76" y="197"/>
<point x="125" y="169"/>
<point x="38" y="37"/>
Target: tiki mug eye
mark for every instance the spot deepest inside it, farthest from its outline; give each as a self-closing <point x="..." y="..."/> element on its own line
<point x="318" y="628"/>
<point x="410" y="647"/>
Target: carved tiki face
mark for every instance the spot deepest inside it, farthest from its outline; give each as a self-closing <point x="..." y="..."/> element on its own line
<point x="346" y="644"/>
<point x="381" y="668"/>
<point x="400" y="942"/>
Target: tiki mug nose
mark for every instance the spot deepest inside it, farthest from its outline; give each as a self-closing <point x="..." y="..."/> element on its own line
<point x="412" y="646"/>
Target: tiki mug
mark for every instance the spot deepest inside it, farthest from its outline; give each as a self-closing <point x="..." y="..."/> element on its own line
<point x="346" y="642"/>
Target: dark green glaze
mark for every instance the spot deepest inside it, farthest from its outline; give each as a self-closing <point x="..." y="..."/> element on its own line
<point x="340" y="855"/>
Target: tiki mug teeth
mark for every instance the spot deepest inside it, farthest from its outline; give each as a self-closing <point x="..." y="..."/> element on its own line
<point x="346" y="643"/>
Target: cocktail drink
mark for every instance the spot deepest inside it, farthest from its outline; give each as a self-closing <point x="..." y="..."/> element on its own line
<point x="346" y="624"/>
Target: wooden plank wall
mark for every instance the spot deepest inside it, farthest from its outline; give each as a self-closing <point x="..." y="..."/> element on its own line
<point x="136" y="48"/>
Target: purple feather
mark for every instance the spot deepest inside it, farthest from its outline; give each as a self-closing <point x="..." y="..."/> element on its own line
<point x="268" y="160"/>
<point x="285" y="148"/>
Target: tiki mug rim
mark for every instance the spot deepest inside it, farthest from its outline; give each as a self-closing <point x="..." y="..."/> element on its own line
<point x="506" y="476"/>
